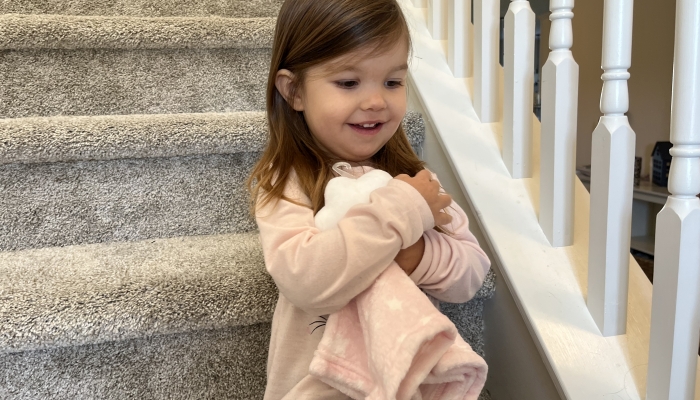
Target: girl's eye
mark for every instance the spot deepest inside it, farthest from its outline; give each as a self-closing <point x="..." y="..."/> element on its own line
<point x="392" y="84"/>
<point x="347" y="84"/>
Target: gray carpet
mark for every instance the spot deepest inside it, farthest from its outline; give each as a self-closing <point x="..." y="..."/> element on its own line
<point x="107" y="292"/>
<point x="145" y="8"/>
<point x="112" y="137"/>
<point x="40" y="83"/>
<point x="67" y="32"/>
<point x="131" y="266"/>
<point x="468" y="317"/>
<point x="66" y="65"/>
<point x="61" y="204"/>
<point x="221" y="364"/>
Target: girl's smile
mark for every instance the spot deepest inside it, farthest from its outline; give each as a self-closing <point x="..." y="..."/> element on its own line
<point x="367" y="128"/>
<point x="354" y="104"/>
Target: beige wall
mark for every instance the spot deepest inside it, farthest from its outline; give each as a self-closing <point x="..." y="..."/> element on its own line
<point x="652" y="72"/>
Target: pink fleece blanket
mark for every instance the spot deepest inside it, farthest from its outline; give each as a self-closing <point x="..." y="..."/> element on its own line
<point x="390" y="342"/>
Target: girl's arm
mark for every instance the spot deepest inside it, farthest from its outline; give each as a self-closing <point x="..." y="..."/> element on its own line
<point x="452" y="267"/>
<point x="321" y="271"/>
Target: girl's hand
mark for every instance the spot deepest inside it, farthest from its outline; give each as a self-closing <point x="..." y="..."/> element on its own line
<point x="409" y="258"/>
<point x="430" y="190"/>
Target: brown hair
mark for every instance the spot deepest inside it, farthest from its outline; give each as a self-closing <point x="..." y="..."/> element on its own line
<point x="309" y="33"/>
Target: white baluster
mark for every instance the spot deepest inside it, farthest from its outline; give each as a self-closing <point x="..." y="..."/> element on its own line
<point x="437" y="19"/>
<point x="487" y="26"/>
<point x="675" y="309"/>
<point x="519" y="70"/>
<point x="559" y="114"/>
<point x="460" y="32"/>
<point x="612" y="178"/>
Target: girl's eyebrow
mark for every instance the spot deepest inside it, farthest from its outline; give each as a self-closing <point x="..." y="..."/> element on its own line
<point x="401" y="67"/>
<point x="351" y="68"/>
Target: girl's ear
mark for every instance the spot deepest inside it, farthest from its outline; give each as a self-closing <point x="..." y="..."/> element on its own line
<point x="284" y="81"/>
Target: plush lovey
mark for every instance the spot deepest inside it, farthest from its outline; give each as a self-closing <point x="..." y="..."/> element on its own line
<point x="345" y="191"/>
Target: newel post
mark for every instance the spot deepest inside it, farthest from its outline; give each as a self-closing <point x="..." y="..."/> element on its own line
<point x="612" y="178"/>
<point x="519" y="73"/>
<point x="558" y="141"/>
<point x="675" y="309"/>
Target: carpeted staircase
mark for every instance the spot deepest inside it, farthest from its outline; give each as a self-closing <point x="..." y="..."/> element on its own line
<point x="129" y="265"/>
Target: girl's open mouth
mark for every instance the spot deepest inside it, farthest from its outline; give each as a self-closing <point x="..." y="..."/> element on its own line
<point x="368" y="129"/>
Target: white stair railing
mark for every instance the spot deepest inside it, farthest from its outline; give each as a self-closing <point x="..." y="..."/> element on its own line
<point x="487" y="26"/>
<point x="519" y="72"/>
<point x="460" y="33"/>
<point x="675" y="327"/>
<point x="558" y="137"/>
<point x="612" y="178"/>
<point x="675" y="313"/>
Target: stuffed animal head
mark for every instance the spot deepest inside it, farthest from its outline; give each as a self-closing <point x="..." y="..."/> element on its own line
<point x="345" y="191"/>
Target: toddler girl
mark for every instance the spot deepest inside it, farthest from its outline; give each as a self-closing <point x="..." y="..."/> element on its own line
<point x="337" y="92"/>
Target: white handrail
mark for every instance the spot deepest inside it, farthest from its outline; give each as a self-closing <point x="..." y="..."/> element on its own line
<point x="519" y="72"/>
<point x="612" y="178"/>
<point x="460" y="33"/>
<point x="486" y="41"/>
<point x="437" y="19"/>
<point x="558" y="142"/>
<point x="675" y="309"/>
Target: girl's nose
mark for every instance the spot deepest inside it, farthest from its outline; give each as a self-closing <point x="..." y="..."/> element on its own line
<point x="374" y="101"/>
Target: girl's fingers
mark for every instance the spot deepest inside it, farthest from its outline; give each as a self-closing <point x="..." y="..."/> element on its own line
<point x="444" y="200"/>
<point x="443" y="218"/>
<point x="429" y="188"/>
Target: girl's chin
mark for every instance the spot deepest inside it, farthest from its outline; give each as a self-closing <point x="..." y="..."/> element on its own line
<point x="359" y="159"/>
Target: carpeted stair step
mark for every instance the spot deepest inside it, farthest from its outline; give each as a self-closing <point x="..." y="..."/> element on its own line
<point x="98" y="293"/>
<point x="95" y="65"/>
<point x="112" y="137"/>
<point x="73" y="180"/>
<point x="59" y="32"/>
<point x="145" y="8"/>
<point x="213" y="365"/>
<point x="185" y="317"/>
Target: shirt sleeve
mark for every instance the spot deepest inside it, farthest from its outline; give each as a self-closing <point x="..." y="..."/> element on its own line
<point x="321" y="271"/>
<point x="453" y="266"/>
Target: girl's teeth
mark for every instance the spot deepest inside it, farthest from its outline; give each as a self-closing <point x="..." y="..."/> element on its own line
<point x="369" y="125"/>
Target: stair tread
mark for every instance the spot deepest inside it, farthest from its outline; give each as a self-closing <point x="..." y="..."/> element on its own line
<point x="87" y="294"/>
<point x="46" y="82"/>
<point x="215" y="364"/>
<point x="42" y="31"/>
<point x="151" y="8"/>
<point x="110" y="137"/>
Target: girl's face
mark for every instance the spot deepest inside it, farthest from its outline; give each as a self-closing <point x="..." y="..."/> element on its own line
<point x="354" y="104"/>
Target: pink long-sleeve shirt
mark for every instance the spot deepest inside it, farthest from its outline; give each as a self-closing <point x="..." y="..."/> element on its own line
<point x="319" y="272"/>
